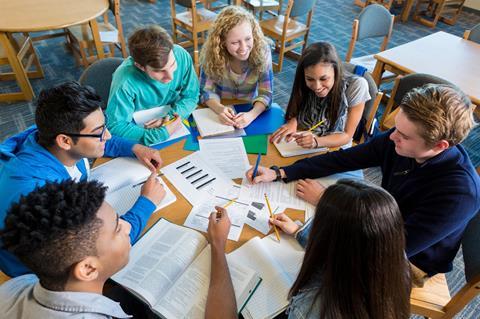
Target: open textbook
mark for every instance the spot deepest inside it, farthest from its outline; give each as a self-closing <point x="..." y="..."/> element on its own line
<point x="122" y="177"/>
<point x="208" y="123"/>
<point x="169" y="269"/>
<point x="278" y="263"/>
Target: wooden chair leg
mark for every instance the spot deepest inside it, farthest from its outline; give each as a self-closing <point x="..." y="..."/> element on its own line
<point x="281" y="53"/>
<point x="195" y="52"/>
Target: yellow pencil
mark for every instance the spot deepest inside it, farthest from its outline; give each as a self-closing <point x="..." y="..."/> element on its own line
<point x="169" y="121"/>
<point x="230" y="203"/>
<point x="316" y="125"/>
<point x="272" y="216"/>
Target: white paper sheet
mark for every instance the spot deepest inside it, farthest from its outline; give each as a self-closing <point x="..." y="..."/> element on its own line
<point x="228" y="154"/>
<point x="280" y="193"/>
<point x="196" y="179"/>
<point x="288" y="149"/>
<point x="199" y="215"/>
<point x="140" y="117"/>
<point x="258" y="215"/>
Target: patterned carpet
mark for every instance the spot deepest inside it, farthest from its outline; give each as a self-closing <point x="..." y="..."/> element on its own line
<point x="332" y="22"/>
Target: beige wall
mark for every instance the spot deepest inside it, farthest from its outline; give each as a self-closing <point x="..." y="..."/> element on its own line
<point x="474" y="4"/>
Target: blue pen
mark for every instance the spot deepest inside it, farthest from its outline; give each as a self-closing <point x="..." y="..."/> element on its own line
<point x="256" y="165"/>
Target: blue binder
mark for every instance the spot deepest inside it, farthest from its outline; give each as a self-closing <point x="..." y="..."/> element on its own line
<point x="267" y="122"/>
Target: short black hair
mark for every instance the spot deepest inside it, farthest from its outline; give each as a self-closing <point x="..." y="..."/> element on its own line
<point x="62" y="108"/>
<point x="53" y="228"/>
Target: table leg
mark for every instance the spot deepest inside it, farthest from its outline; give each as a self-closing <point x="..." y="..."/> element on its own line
<point x="18" y="70"/>
<point x="96" y="39"/>
<point x="377" y="72"/>
<point x="406" y="10"/>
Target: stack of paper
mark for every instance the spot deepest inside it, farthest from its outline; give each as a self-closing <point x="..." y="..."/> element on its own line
<point x="209" y="124"/>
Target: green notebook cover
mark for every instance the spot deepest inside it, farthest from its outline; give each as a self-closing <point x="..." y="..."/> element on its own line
<point x="254" y="144"/>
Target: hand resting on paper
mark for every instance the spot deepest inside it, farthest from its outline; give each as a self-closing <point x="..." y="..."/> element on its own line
<point x="309" y="190"/>
<point x="305" y="139"/>
<point x="285" y="131"/>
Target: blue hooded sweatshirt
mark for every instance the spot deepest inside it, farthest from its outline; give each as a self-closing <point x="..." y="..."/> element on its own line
<point x="25" y="165"/>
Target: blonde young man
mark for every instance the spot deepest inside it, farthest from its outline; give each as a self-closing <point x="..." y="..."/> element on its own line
<point x="423" y="166"/>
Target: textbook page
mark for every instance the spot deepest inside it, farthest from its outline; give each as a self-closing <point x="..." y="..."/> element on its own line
<point x="209" y="124"/>
<point x="228" y="154"/>
<point x="280" y="193"/>
<point x="288" y="149"/>
<point x="188" y="297"/>
<point x="277" y="265"/>
<point x="159" y="258"/>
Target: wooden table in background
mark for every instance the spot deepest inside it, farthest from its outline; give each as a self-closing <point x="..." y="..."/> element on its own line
<point x="441" y="54"/>
<point x="43" y="15"/>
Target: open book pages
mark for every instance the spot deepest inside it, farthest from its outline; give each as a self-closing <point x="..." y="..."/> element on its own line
<point x="289" y="149"/>
<point x="278" y="263"/>
<point x="122" y="175"/>
<point x="209" y="124"/>
<point x="169" y="269"/>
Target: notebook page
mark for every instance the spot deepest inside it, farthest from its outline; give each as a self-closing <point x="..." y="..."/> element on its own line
<point x="209" y="124"/>
<point x="271" y="295"/>
<point x="159" y="258"/>
<point x="288" y="149"/>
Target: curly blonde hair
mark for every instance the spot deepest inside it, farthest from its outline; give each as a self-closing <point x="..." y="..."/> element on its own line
<point x="214" y="55"/>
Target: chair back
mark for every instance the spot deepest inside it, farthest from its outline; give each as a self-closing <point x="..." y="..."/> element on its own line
<point x="474" y="34"/>
<point x="184" y="3"/>
<point x="301" y="7"/>
<point x="471" y="251"/>
<point x="99" y="76"/>
<point x="412" y="81"/>
<point x="374" y="21"/>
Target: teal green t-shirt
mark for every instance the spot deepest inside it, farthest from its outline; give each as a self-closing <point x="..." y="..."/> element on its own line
<point x="133" y="90"/>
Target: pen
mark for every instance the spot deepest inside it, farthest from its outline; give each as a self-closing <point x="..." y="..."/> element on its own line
<point x="256" y="165"/>
<point x="272" y="216"/>
<point x="316" y="125"/>
<point x="143" y="182"/>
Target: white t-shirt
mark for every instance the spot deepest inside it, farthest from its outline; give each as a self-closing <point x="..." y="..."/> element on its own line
<point x="75" y="173"/>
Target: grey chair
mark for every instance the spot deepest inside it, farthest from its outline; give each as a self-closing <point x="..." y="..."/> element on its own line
<point x="99" y="76"/>
<point x="433" y="300"/>
<point x="374" y="21"/>
<point x="473" y="34"/>
<point x="403" y="84"/>
<point x="371" y="106"/>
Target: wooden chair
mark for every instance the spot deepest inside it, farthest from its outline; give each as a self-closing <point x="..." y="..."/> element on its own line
<point x="402" y="85"/>
<point x="371" y="106"/>
<point x="473" y="34"/>
<point x="20" y="46"/>
<point x="284" y="29"/>
<point x="3" y="277"/>
<point x="374" y="21"/>
<point x="263" y="5"/>
<point x="386" y="3"/>
<point x="433" y="300"/>
<point x="80" y="38"/>
<point x="194" y="20"/>
<point x="437" y="10"/>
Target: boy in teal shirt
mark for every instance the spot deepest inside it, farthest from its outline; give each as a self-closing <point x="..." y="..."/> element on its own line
<point x="157" y="73"/>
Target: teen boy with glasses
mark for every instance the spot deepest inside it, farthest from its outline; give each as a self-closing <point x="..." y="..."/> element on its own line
<point x="70" y="128"/>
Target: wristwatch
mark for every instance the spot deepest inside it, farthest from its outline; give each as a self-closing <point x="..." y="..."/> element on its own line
<point x="277" y="171"/>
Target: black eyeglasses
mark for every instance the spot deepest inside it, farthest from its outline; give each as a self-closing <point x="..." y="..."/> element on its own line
<point x="100" y="136"/>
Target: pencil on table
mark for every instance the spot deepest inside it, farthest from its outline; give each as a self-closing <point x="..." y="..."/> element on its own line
<point x="272" y="216"/>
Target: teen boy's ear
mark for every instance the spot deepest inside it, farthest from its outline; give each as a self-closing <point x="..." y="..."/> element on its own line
<point x="64" y="142"/>
<point x="88" y="269"/>
<point x="441" y="145"/>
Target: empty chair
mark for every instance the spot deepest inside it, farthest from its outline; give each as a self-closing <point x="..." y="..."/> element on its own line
<point x="373" y="22"/>
<point x="433" y="300"/>
<point x="403" y="84"/>
<point x="473" y="34"/>
<point x="80" y="39"/>
<point x="99" y="76"/>
<point x="284" y="29"/>
<point x="445" y="10"/>
<point x="195" y="21"/>
<point x="262" y="5"/>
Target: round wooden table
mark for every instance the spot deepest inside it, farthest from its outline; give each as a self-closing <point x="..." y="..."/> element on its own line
<point x="42" y="15"/>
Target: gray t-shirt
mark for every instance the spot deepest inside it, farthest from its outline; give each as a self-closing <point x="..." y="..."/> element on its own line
<point x="314" y="108"/>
